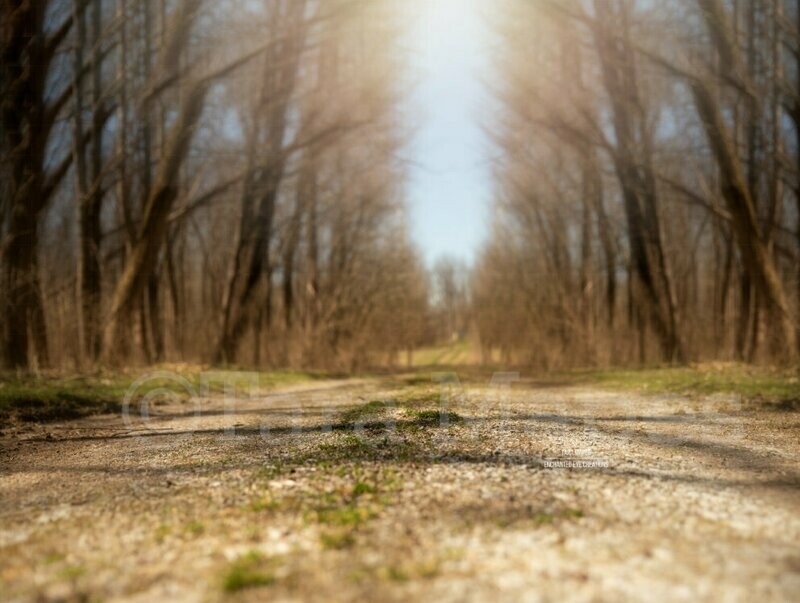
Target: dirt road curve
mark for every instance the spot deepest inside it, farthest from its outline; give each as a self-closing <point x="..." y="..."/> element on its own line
<point x="531" y="493"/>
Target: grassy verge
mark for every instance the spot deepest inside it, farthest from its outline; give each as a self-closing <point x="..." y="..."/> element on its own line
<point x="453" y="354"/>
<point x="45" y="399"/>
<point x="249" y="381"/>
<point x="753" y="383"/>
<point x="54" y="397"/>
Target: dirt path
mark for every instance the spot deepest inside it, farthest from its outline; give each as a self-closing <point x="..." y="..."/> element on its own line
<point x="521" y="494"/>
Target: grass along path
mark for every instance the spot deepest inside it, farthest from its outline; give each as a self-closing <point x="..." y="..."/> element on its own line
<point x="54" y="397"/>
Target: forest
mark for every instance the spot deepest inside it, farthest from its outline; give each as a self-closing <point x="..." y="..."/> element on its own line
<point x="648" y="197"/>
<point x="254" y="348"/>
<point x="193" y="180"/>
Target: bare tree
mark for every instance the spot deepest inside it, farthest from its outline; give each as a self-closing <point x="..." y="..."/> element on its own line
<point x="683" y="155"/>
<point x="30" y="109"/>
<point x="135" y="102"/>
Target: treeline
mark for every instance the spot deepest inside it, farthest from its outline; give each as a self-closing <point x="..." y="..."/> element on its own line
<point x="649" y="183"/>
<point x="207" y="181"/>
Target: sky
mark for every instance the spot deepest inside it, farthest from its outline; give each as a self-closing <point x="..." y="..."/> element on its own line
<point x="449" y="187"/>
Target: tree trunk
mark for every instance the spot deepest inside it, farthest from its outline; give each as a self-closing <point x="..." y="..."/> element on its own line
<point x="242" y="303"/>
<point x="79" y="161"/>
<point x="91" y="206"/>
<point x="607" y="242"/>
<point x="154" y="315"/>
<point x="306" y="188"/>
<point x="637" y="180"/>
<point x="252" y="256"/>
<point x="23" y="289"/>
<point x="25" y="57"/>
<point x="757" y="260"/>
<point x="144" y="254"/>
